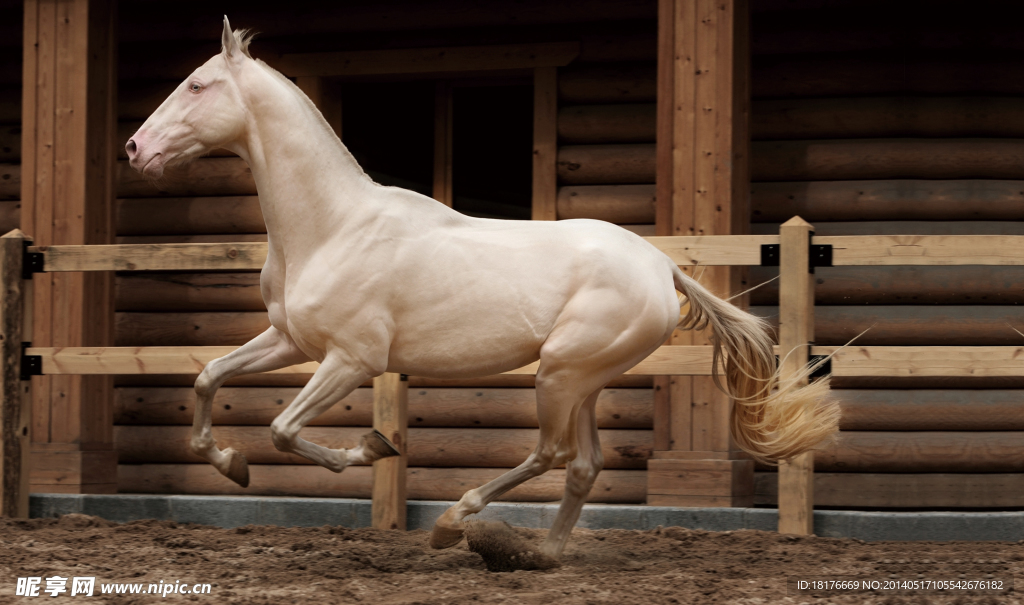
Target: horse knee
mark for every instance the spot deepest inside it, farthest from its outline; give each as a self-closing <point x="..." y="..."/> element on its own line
<point x="283" y="436"/>
<point x="206" y="385"/>
<point x="581" y="474"/>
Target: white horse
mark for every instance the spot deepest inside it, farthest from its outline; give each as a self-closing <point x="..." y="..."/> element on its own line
<point x="366" y="279"/>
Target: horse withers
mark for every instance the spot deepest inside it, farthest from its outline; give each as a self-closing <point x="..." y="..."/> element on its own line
<point x="367" y="279"/>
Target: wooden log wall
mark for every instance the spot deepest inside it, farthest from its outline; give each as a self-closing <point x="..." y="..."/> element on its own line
<point x="871" y="131"/>
<point x="462" y="433"/>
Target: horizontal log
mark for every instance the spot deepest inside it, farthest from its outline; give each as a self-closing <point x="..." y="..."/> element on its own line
<point x="10" y="181"/>
<point x="10" y="143"/>
<point x="872" y="74"/>
<point x="879" y="117"/>
<point x="188" y="329"/>
<point x="188" y="292"/>
<point x="10" y="216"/>
<point x="872" y="159"/>
<point x="149" y="257"/>
<point x="930" y="410"/>
<point x="891" y="200"/>
<point x="922" y="452"/>
<point x="600" y="164"/>
<point x="429" y="447"/>
<point x="435" y="60"/>
<point x="935" y="491"/>
<point x="913" y="325"/>
<point x="925" y="249"/>
<point x="222" y="238"/>
<point x="641" y="230"/>
<point x="190" y="215"/>
<point x="906" y="285"/>
<point x="590" y="124"/>
<point x="626" y="82"/>
<point x="202" y="177"/>
<point x="612" y="486"/>
<point x="428" y="407"/>
<point x="622" y="204"/>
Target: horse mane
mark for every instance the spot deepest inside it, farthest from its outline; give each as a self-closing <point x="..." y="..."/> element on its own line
<point x="243" y="37"/>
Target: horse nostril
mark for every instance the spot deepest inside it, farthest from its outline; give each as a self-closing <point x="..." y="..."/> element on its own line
<point x="130" y="147"/>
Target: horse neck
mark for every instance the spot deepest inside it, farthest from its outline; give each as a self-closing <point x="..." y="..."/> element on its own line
<point x="309" y="185"/>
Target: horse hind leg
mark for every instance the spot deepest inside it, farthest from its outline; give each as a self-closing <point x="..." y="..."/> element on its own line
<point x="581" y="472"/>
<point x="270" y="350"/>
<point x="556" y="404"/>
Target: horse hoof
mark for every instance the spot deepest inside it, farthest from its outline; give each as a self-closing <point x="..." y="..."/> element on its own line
<point x="443" y="536"/>
<point x="238" y="467"/>
<point x="379" y="446"/>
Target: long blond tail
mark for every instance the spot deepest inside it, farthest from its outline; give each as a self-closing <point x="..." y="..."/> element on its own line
<point x="772" y="419"/>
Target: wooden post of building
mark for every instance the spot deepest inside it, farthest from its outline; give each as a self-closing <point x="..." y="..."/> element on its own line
<point x="67" y="197"/>
<point x="15" y="407"/>
<point x="703" y="188"/>
<point x="545" y="143"/>
<point x="796" y="333"/>
<point x="391" y="418"/>
<point x="443" y="188"/>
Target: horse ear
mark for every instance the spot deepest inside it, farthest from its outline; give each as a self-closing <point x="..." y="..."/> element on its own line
<point x="228" y="42"/>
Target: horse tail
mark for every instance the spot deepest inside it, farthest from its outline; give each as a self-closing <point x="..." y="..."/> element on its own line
<point x="772" y="419"/>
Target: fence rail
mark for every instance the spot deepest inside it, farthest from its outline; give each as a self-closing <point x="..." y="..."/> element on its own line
<point x="795" y="254"/>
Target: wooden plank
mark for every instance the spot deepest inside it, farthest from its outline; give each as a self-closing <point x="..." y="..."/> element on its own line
<point x="612" y="486"/>
<point x="606" y="164"/>
<point x="889" y="200"/>
<point x="954" y="451"/>
<point x="596" y="124"/>
<point x="180" y="292"/>
<point x="437" y="407"/>
<point x="713" y="250"/>
<point x="428" y="60"/>
<point x="906" y="490"/>
<point x="925" y="249"/>
<point x="443" y="144"/>
<point x="974" y="362"/>
<point x="391" y="418"/>
<point x="15" y="404"/>
<point x="150" y="257"/>
<point x="904" y="158"/>
<point x="545" y="144"/>
<point x="796" y="333"/>
<point x="426" y="447"/>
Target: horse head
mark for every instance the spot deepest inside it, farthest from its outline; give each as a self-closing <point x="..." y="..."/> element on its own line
<point x="206" y="111"/>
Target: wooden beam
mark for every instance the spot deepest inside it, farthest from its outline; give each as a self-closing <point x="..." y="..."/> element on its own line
<point x="390" y="418"/>
<point x="545" y="144"/>
<point x="796" y="333"/>
<point x="714" y="250"/>
<point x="15" y="394"/>
<point x="154" y="257"/>
<point x="607" y="164"/>
<point x="973" y="362"/>
<point x="443" y="144"/>
<point x="428" y="60"/>
<point x="925" y="249"/>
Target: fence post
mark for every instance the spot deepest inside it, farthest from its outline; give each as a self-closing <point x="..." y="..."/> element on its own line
<point x="796" y="333"/>
<point x="390" y="417"/>
<point x="15" y="396"/>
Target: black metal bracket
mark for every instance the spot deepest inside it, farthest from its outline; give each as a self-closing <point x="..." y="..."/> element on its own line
<point x="821" y="371"/>
<point x="403" y="378"/>
<point x="31" y="263"/>
<point x="31" y="365"/>
<point x="820" y="255"/>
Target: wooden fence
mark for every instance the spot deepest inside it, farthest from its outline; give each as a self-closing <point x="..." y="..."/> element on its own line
<point x="796" y="250"/>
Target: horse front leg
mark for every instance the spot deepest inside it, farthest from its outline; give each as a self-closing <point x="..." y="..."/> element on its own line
<point x="332" y="382"/>
<point x="271" y="350"/>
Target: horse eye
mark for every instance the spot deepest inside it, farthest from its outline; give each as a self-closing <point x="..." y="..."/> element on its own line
<point x="196" y="87"/>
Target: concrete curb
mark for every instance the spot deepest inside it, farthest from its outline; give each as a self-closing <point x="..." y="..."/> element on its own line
<point x="235" y="511"/>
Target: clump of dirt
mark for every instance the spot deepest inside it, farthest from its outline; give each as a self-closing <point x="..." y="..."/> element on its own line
<point x="335" y="565"/>
<point x="503" y="549"/>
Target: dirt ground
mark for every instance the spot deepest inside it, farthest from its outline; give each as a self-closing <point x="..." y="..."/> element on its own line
<point x="260" y="564"/>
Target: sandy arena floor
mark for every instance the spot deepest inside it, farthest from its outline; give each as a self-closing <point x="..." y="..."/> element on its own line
<point x="259" y="564"/>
